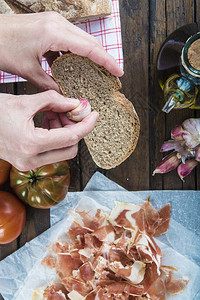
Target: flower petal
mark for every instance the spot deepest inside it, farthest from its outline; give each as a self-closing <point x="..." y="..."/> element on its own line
<point x="185" y="169"/>
<point x="169" y="163"/>
<point x="177" y="133"/>
<point x="192" y="132"/>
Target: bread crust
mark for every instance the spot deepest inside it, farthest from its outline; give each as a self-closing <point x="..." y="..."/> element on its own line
<point x="5" y="8"/>
<point x="72" y="10"/>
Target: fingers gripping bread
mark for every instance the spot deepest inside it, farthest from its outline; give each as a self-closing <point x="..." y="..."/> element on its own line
<point x="116" y="132"/>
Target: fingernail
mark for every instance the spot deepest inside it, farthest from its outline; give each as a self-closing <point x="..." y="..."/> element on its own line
<point x="122" y="71"/>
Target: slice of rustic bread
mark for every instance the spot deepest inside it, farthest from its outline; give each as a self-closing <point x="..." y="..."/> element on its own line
<point x="5" y="8"/>
<point x="116" y="132"/>
<point x="73" y="10"/>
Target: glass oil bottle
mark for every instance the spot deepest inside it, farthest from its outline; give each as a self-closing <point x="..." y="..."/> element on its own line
<point x="178" y="69"/>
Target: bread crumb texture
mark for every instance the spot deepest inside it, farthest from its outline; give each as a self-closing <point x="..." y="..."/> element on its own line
<point x="117" y="130"/>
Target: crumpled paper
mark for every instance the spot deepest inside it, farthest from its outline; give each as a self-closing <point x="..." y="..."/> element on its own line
<point x="22" y="271"/>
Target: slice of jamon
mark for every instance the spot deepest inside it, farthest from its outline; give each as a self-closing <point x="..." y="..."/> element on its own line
<point x="105" y="233"/>
<point x="87" y="271"/>
<point x="56" y="291"/>
<point x="164" y="214"/>
<point x="148" y="250"/>
<point x="77" y="230"/>
<point x="92" y="222"/>
<point x="150" y="277"/>
<point x="49" y="261"/>
<point x="123" y="214"/>
<point x="125" y="287"/>
<point x="156" y="221"/>
<point x="152" y="218"/>
<point x="157" y="290"/>
<point x="59" y="246"/>
<point x="118" y="255"/>
<point x="78" y="285"/>
<point x="67" y="262"/>
<point x="133" y="273"/>
<point x="175" y="286"/>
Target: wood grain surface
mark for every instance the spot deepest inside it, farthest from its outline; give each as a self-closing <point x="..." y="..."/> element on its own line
<point x="145" y="25"/>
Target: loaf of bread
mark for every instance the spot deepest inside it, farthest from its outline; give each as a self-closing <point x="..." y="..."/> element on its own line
<point x="73" y="10"/>
<point x="117" y="130"/>
<point x="5" y="8"/>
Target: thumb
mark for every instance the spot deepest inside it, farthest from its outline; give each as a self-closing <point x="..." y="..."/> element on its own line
<point x="41" y="79"/>
<point x="52" y="101"/>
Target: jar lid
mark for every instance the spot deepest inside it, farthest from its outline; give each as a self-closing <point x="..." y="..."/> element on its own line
<point x="184" y="56"/>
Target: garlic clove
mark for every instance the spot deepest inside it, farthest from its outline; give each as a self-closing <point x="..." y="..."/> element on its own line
<point x="177" y="133"/>
<point x="197" y="153"/>
<point x="169" y="163"/>
<point x="80" y="112"/>
<point x="186" y="168"/>
<point x="191" y="133"/>
<point x="169" y="145"/>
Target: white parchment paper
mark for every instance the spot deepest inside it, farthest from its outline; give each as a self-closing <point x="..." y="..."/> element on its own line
<point x="22" y="271"/>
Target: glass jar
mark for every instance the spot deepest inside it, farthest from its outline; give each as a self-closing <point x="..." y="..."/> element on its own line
<point x="178" y="78"/>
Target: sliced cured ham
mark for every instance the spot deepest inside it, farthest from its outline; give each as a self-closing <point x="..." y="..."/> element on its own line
<point x="113" y="257"/>
<point x="175" y="286"/>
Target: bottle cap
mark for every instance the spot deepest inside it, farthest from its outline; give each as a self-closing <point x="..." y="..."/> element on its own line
<point x="190" y="56"/>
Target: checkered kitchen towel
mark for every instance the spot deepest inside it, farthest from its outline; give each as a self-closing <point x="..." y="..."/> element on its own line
<point x="107" y="30"/>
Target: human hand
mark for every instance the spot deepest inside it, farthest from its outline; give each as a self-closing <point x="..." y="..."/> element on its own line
<point x="26" y="38"/>
<point x="26" y="146"/>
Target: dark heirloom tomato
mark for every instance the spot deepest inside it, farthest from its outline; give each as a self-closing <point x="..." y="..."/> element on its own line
<point x="12" y="217"/>
<point x="42" y="187"/>
<point x="4" y="171"/>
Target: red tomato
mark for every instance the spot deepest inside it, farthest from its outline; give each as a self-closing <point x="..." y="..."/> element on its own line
<point x="4" y="171"/>
<point x="12" y="217"/>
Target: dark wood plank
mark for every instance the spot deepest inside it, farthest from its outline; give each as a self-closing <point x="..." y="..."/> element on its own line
<point x="178" y="13"/>
<point x="133" y="174"/>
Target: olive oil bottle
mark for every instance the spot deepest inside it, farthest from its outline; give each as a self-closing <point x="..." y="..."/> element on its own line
<point x="178" y="69"/>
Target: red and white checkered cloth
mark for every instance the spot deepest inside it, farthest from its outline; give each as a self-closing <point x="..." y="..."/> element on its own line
<point x="107" y="30"/>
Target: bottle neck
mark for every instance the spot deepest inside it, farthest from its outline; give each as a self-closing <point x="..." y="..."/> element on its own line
<point x="170" y="104"/>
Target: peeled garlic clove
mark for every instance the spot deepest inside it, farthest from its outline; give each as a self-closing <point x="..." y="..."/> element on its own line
<point x="169" y="163"/>
<point x="185" y="169"/>
<point x="80" y="112"/>
<point x="177" y="133"/>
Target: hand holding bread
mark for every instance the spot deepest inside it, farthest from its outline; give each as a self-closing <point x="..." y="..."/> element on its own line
<point x="91" y="74"/>
<point x="26" y="38"/>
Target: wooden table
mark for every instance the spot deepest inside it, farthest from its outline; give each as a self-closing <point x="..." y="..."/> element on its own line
<point x="145" y="25"/>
